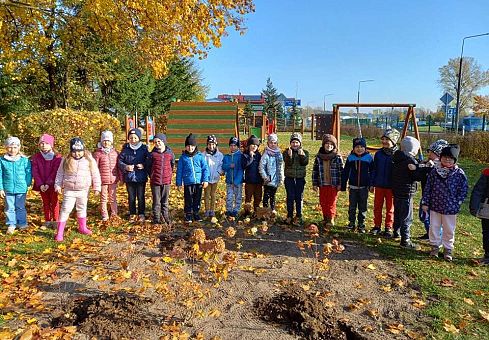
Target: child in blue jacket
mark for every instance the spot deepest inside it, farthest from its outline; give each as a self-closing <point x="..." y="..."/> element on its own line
<point x="358" y="172"/>
<point x="231" y="165"/>
<point x="193" y="173"/>
<point x="15" y="179"/>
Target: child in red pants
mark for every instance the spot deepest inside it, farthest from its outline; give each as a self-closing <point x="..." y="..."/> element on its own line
<point x="45" y="164"/>
<point x="326" y="176"/>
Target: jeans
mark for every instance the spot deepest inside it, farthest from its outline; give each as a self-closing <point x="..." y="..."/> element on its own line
<point x="403" y="217"/>
<point x="295" y="194"/>
<point x="192" y="197"/>
<point x="135" y="191"/>
<point x="358" y="198"/>
<point x="160" y="195"/>
<point x="269" y="196"/>
<point x="15" y="211"/>
<point x="234" y="197"/>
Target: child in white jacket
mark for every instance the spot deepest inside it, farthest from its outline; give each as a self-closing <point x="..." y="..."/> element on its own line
<point x="76" y="173"/>
<point x="214" y="158"/>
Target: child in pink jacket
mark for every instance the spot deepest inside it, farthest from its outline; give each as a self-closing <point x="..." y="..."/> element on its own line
<point x="106" y="158"/>
<point x="76" y="174"/>
<point x="45" y="164"/>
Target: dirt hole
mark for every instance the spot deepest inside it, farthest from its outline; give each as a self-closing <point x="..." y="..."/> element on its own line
<point x="304" y="315"/>
<point x="110" y="316"/>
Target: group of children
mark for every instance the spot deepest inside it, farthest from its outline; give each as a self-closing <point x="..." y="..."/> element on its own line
<point x="391" y="174"/>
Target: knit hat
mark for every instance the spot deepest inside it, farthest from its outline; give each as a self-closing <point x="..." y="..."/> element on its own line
<point x="437" y="146"/>
<point x="160" y="136"/>
<point x="136" y="132"/>
<point x="452" y="151"/>
<point x="410" y="145"/>
<point x="392" y="134"/>
<point x="234" y="141"/>
<point x="331" y="139"/>
<point x="76" y="144"/>
<point x="253" y="140"/>
<point x="359" y="141"/>
<point x="107" y="135"/>
<point x="191" y="140"/>
<point x="296" y="136"/>
<point x="273" y="138"/>
<point x="12" y="141"/>
<point x="212" y="139"/>
<point x="48" y="139"/>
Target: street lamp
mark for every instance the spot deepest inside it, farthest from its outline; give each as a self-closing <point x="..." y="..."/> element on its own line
<point x="324" y="101"/>
<point x="460" y="77"/>
<point x="358" y="102"/>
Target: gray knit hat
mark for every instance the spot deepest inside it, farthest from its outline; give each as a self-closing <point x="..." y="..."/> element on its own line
<point x="273" y="138"/>
<point x="296" y="136"/>
<point x="392" y="134"/>
<point x="410" y="145"/>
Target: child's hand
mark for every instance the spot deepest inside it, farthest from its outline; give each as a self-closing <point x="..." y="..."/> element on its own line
<point x="315" y="189"/>
<point x="289" y="152"/>
<point x="301" y="152"/>
<point x="411" y="167"/>
<point x="57" y="188"/>
<point x="424" y="208"/>
<point x="371" y="189"/>
<point x="140" y="166"/>
<point x="130" y="168"/>
<point x="179" y="187"/>
<point x="252" y="153"/>
<point x="205" y="184"/>
<point x="2" y="194"/>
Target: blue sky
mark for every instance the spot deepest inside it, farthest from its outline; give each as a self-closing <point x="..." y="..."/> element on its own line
<point x="321" y="47"/>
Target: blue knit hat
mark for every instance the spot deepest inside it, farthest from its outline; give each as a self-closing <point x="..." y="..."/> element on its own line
<point x="136" y="132"/>
<point x="161" y="137"/>
<point x="359" y="141"/>
<point x="234" y="141"/>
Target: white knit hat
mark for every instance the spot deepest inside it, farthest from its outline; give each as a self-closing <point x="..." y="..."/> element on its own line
<point x="273" y="138"/>
<point x="12" y="141"/>
<point x="107" y="135"/>
<point x="410" y="145"/>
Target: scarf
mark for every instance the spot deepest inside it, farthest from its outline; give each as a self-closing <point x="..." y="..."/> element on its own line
<point x="212" y="153"/>
<point x="445" y="172"/>
<point x="390" y="151"/>
<point x="272" y="152"/>
<point x="12" y="158"/>
<point x="326" y="155"/>
<point x="48" y="156"/>
<point x="135" y="147"/>
<point x="190" y="154"/>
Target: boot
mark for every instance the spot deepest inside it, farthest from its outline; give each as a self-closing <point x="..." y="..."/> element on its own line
<point x="59" y="233"/>
<point x="82" y="226"/>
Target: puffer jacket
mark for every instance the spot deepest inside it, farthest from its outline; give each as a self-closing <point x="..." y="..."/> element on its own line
<point x="403" y="179"/>
<point x="250" y="165"/>
<point x="358" y="171"/>
<point x="233" y="175"/>
<point x="382" y="174"/>
<point x="192" y="169"/>
<point x="295" y="166"/>
<point x="107" y="166"/>
<point x="215" y="165"/>
<point x="15" y="175"/>
<point x="446" y="195"/>
<point x="43" y="171"/>
<point x="480" y="192"/>
<point x="271" y="169"/>
<point x="129" y="156"/>
<point x="160" y="166"/>
<point x="84" y="176"/>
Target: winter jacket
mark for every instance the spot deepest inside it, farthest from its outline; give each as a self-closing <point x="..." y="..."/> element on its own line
<point x="43" y="171"/>
<point x="480" y="192"/>
<point x="336" y="168"/>
<point x="233" y="175"/>
<point x="83" y="176"/>
<point x="445" y="195"/>
<point x="107" y="166"/>
<point x="214" y="162"/>
<point x="159" y="166"/>
<point x="295" y="166"/>
<point x="192" y="169"/>
<point x="403" y="180"/>
<point x="271" y="169"/>
<point x="129" y="156"/>
<point x="15" y="176"/>
<point x="250" y="165"/>
<point x="358" y="171"/>
<point x="382" y="170"/>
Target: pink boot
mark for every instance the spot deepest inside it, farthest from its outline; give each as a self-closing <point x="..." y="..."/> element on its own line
<point x="82" y="226"/>
<point x="59" y="233"/>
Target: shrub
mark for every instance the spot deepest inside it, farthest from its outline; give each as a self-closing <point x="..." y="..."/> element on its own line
<point x="474" y="145"/>
<point x="63" y="125"/>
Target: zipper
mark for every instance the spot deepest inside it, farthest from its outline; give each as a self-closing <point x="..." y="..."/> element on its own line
<point x="193" y="170"/>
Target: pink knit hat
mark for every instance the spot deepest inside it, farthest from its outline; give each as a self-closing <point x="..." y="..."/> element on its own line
<point x="48" y="139"/>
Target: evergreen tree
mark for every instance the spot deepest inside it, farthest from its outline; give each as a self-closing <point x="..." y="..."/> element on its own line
<point x="272" y="106"/>
<point x="248" y="113"/>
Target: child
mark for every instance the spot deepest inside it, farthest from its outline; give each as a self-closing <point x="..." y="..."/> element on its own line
<point x="106" y="158"/>
<point x="160" y="164"/>
<point x="403" y="188"/>
<point x="326" y="175"/>
<point x="296" y="160"/>
<point x="76" y="173"/>
<point x="45" y="164"/>
<point x="15" y="179"/>
<point x="213" y="157"/>
<point x="131" y="162"/>
<point x="231" y="165"/>
<point x="480" y="194"/>
<point x="253" y="181"/>
<point x="358" y="171"/>
<point x="424" y="168"/>
<point x="446" y="189"/>
<point x="382" y="182"/>
<point x="272" y="171"/>
<point x="193" y="172"/>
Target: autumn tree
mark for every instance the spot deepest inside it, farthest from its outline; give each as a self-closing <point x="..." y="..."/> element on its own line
<point x="47" y="39"/>
<point x="473" y="79"/>
<point x="481" y="105"/>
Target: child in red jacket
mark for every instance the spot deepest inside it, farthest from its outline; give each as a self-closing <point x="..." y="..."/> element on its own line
<point x="45" y="164"/>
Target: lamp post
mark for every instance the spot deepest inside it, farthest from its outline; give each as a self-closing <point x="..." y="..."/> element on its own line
<point x="358" y="102"/>
<point x="460" y="78"/>
<point x="324" y="101"/>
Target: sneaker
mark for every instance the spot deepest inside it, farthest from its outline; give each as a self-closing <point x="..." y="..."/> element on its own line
<point x="388" y="233"/>
<point x="375" y="230"/>
<point x="10" y="229"/>
<point x="212" y="213"/>
<point x="361" y="229"/>
<point x="424" y="237"/>
<point x="141" y="219"/>
<point x="22" y="227"/>
<point x="484" y="261"/>
<point x="207" y="214"/>
<point x="197" y="218"/>
<point x="133" y="218"/>
<point x="299" y="221"/>
<point x="447" y="255"/>
<point x="188" y="218"/>
<point x="396" y="235"/>
<point x="409" y="245"/>
<point x="351" y="227"/>
<point x="434" y="251"/>
<point x="288" y="220"/>
<point x="274" y="213"/>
